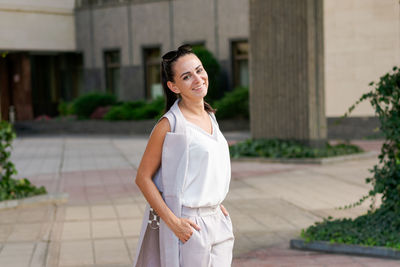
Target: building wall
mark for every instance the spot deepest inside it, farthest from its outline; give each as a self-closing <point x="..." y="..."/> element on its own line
<point x="362" y="42"/>
<point x="233" y="24"/>
<point x="37" y="25"/>
<point x="164" y="24"/>
<point x="195" y="21"/>
<point x="231" y="30"/>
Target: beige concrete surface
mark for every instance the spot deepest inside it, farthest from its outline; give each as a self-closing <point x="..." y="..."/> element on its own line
<point x="99" y="225"/>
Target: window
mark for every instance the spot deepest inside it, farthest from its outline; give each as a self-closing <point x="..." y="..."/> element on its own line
<point x="240" y="61"/>
<point x="152" y="72"/>
<point x="112" y="68"/>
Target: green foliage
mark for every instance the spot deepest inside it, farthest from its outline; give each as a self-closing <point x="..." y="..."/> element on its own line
<point x="66" y="108"/>
<point x="7" y="135"/>
<point x="119" y="113"/>
<point x="213" y="69"/>
<point x="379" y="227"/>
<point x="11" y="188"/>
<point x="139" y="110"/>
<point x="85" y="105"/>
<point x="233" y="105"/>
<point x="376" y="228"/>
<point x="276" y="148"/>
<point x="385" y="99"/>
<point x="21" y="188"/>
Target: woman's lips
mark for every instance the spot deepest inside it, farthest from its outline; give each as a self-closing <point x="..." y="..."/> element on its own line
<point x="198" y="88"/>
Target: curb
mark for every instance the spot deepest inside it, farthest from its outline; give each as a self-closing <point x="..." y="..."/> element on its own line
<point x="320" y="161"/>
<point x="29" y="201"/>
<point x="324" y="246"/>
<point x="102" y="127"/>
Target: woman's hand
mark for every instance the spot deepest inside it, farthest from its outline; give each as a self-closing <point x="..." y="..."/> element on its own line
<point x="224" y="211"/>
<point x="183" y="229"/>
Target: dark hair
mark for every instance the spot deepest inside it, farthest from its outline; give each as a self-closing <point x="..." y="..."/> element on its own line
<point x="167" y="74"/>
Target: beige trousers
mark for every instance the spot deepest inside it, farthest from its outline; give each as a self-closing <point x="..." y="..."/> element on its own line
<point x="212" y="245"/>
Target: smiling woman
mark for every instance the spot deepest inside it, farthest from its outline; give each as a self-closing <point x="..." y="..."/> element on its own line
<point x="185" y="174"/>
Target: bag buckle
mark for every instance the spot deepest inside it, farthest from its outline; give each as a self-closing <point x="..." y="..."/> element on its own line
<point x="154" y="219"/>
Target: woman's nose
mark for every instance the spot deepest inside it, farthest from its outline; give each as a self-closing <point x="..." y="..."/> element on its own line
<point x="198" y="78"/>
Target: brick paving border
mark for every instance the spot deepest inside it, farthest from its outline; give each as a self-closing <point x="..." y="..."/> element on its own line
<point x="57" y="198"/>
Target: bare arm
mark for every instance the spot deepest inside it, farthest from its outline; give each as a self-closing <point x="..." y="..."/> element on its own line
<point x="149" y="165"/>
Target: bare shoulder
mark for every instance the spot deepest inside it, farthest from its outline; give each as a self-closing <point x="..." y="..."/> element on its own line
<point x="163" y="126"/>
<point x="161" y="129"/>
<point x="151" y="159"/>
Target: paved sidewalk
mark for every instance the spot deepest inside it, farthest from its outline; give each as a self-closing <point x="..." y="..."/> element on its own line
<point x="99" y="225"/>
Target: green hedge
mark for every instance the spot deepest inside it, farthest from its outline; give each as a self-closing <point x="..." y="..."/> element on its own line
<point x="377" y="228"/>
<point x="233" y="105"/>
<point x="276" y="148"/>
<point x="66" y="108"/>
<point x="139" y="110"/>
<point x="84" y="105"/>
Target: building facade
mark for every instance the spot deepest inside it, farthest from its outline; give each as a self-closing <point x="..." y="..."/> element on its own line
<point x="137" y="33"/>
<point x="66" y="48"/>
<point x="39" y="63"/>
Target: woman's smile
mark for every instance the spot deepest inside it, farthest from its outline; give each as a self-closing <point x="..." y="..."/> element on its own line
<point x="199" y="88"/>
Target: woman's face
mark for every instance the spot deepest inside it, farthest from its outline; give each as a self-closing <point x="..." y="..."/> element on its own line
<point x="190" y="78"/>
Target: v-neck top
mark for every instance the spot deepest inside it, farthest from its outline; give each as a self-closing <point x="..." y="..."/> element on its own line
<point x="209" y="169"/>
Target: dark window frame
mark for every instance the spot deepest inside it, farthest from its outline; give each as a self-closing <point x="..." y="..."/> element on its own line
<point x="111" y="67"/>
<point x="234" y="59"/>
<point x="154" y="62"/>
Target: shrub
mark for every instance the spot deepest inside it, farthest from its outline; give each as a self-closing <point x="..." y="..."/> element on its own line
<point x="152" y="110"/>
<point x="65" y="108"/>
<point x="213" y="69"/>
<point x="233" y="105"/>
<point x="376" y="228"/>
<point x="139" y="110"/>
<point x="11" y="188"/>
<point x="276" y="148"/>
<point x="379" y="227"/>
<point x="385" y="99"/>
<point x="99" y="113"/>
<point x="135" y="104"/>
<point x="86" y="104"/>
<point x="121" y="112"/>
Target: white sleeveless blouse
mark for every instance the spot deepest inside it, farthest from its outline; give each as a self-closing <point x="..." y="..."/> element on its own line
<point x="209" y="168"/>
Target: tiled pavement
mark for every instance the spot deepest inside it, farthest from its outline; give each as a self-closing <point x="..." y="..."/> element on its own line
<point x="99" y="225"/>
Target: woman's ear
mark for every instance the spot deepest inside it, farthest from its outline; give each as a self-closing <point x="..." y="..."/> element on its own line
<point x="173" y="87"/>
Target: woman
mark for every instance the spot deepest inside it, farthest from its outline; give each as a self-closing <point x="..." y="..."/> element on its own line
<point x="184" y="175"/>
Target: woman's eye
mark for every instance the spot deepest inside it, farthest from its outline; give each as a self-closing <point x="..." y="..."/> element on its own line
<point x="185" y="77"/>
<point x="199" y="70"/>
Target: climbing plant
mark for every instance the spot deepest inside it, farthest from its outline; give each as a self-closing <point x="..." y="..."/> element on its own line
<point x="11" y="188"/>
<point x="385" y="99"/>
<point x="381" y="226"/>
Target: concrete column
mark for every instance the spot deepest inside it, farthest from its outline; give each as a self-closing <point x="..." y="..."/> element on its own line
<point x="4" y="89"/>
<point x="20" y="85"/>
<point x="287" y="70"/>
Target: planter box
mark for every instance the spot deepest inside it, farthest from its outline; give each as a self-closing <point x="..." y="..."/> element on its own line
<point x="323" y="246"/>
<point x="101" y="127"/>
<point x="35" y="200"/>
<point x="321" y="161"/>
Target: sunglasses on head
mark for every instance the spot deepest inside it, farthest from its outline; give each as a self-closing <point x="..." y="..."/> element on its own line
<point x="171" y="55"/>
